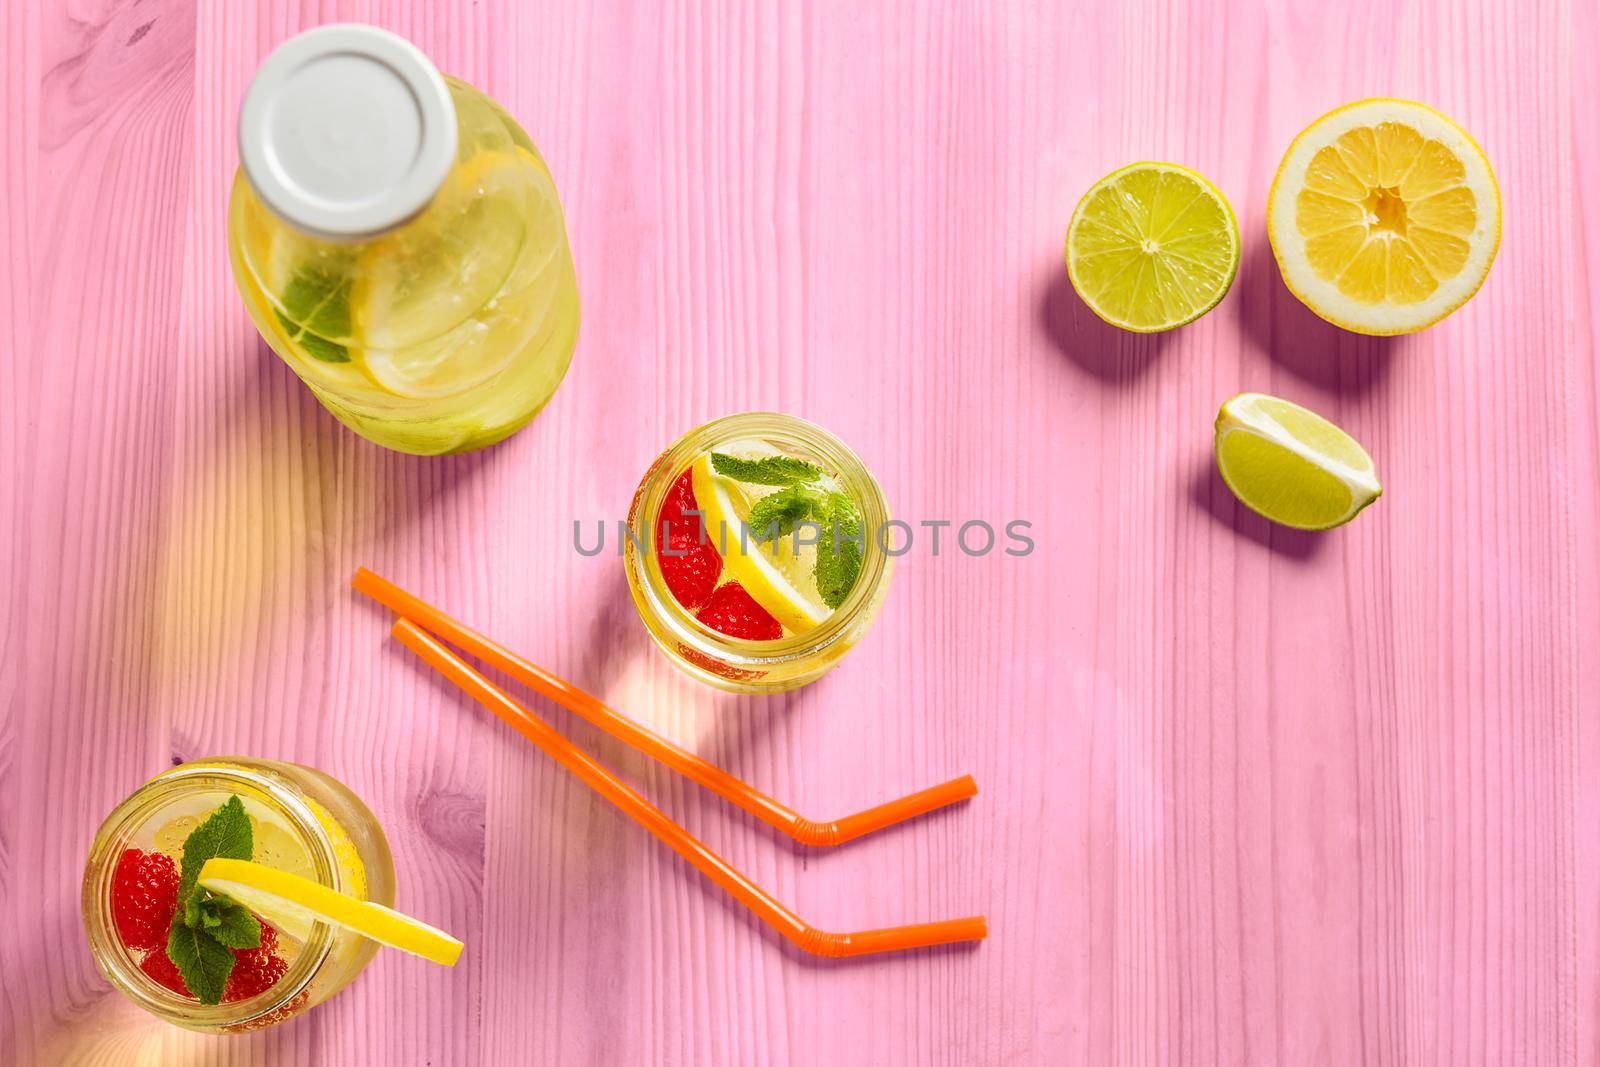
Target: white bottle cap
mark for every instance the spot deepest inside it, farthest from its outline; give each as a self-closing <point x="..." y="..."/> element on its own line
<point x="347" y="131"/>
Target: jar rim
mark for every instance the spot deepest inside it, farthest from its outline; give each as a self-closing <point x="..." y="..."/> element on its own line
<point x="838" y="458"/>
<point x="118" y="963"/>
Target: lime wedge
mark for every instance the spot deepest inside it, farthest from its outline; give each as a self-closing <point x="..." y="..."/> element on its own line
<point x="1152" y="246"/>
<point x="776" y="575"/>
<point x="1292" y="465"/>
<point x="295" y="905"/>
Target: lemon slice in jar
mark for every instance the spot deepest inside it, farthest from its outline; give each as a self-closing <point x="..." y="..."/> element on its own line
<point x="295" y="905"/>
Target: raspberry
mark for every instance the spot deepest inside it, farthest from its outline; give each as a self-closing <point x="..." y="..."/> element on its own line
<point x="163" y="971"/>
<point x="689" y="563"/>
<point x="144" y="894"/>
<point x="680" y="499"/>
<point x="255" y="970"/>
<point x="722" y="670"/>
<point x="269" y="941"/>
<point x="731" y="611"/>
<point x="252" y="974"/>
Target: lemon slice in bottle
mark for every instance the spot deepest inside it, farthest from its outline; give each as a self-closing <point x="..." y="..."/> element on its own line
<point x="1291" y="465"/>
<point x="424" y="300"/>
<point x="1384" y="216"/>
<point x="295" y="905"/>
<point x="779" y="578"/>
<point x="1152" y="246"/>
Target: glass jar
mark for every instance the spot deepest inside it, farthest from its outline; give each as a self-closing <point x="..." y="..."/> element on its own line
<point x="735" y="664"/>
<point x="428" y="300"/>
<point x="303" y="820"/>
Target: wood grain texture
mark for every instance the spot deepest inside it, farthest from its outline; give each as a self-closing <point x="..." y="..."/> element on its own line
<point x="1249" y="796"/>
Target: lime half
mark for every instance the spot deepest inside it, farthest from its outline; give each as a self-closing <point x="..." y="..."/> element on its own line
<point x="1152" y="246"/>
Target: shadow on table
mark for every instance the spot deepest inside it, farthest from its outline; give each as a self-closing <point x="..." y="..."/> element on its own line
<point x="407" y="488"/>
<point x="617" y="657"/>
<point x="725" y="727"/>
<point x="838" y="808"/>
<point x="776" y="942"/>
<point x="617" y="640"/>
<point x="1112" y="355"/>
<point x="903" y="960"/>
<point x="736" y="724"/>
<point x="273" y="486"/>
<point x="1318" y="353"/>
<point x="1208" y="492"/>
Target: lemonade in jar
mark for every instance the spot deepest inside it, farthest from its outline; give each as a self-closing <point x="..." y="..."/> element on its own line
<point x="230" y="894"/>
<point x="398" y="241"/>
<point x="757" y="553"/>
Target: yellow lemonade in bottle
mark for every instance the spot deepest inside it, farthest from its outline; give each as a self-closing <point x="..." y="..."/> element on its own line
<point x="399" y="242"/>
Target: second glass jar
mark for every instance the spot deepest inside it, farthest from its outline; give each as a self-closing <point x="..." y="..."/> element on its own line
<point x="740" y="664"/>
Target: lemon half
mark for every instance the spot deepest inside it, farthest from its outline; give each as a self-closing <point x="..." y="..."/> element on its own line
<point x="1152" y="246"/>
<point x="1292" y="465"/>
<point x="1384" y="216"/>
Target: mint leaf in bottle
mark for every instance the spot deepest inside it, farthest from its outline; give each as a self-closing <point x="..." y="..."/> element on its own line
<point x="316" y="307"/>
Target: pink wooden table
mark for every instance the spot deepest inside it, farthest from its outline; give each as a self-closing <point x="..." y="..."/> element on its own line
<point x="1248" y="795"/>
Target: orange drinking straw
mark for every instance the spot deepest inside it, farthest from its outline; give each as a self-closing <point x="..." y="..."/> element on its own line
<point x="654" y="745"/>
<point x="675" y="837"/>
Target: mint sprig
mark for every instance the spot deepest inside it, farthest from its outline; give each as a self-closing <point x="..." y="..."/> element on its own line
<point x="803" y="498"/>
<point x="207" y="925"/>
